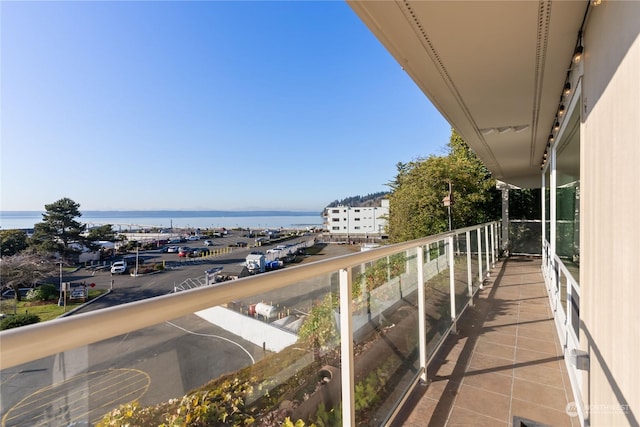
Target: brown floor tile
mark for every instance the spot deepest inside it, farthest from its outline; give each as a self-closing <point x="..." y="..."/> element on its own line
<point x="541" y="414"/>
<point x="423" y="411"/>
<point x="542" y="346"/>
<point x="493" y="349"/>
<point x="464" y="418"/>
<point x="483" y="402"/>
<point x="439" y="389"/>
<point x="540" y="332"/>
<point x="489" y="381"/>
<point x="550" y="397"/>
<point x="524" y="355"/>
<point x="487" y="363"/>
<point x="547" y="374"/>
<point x="508" y="328"/>
<point x="498" y="337"/>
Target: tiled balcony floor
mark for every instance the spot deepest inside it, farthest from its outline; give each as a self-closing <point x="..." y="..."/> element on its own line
<point x="505" y="362"/>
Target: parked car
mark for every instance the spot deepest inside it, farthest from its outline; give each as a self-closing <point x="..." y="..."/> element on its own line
<point x="193" y="238"/>
<point x="241" y="244"/>
<point x="119" y="267"/>
<point x="11" y="293"/>
<point x="172" y="249"/>
<point x="199" y="252"/>
<point x="184" y="251"/>
<point x="208" y="243"/>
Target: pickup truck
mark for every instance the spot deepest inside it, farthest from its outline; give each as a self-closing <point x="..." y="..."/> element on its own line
<point x="119" y="267"/>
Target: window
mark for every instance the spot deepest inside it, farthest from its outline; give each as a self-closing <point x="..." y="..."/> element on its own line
<point x="356" y="219"/>
<point x="335" y="228"/>
<point x="335" y="219"/>
<point x="568" y="195"/>
<point x="335" y="211"/>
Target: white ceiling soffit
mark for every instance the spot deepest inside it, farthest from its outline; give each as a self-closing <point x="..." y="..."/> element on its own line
<point x="494" y="69"/>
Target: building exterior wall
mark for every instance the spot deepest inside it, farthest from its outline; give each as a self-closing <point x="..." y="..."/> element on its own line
<point x="609" y="235"/>
<point x="357" y="221"/>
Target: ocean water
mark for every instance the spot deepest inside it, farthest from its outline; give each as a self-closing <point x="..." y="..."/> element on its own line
<point x="123" y="220"/>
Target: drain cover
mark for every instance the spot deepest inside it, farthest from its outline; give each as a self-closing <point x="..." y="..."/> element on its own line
<point x="524" y="422"/>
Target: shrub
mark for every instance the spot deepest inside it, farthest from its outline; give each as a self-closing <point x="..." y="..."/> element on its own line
<point x="18" y="320"/>
<point x="43" y="293"/>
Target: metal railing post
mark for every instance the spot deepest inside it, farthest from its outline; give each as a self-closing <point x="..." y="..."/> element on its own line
<point x="486" y="246"/>
<point x="422" y="313"/>
<point x="569" y="310"/>
<point x="480" y="275"/>
<point x="493" y="245"/>
<point x="469" y="272"/>
<point x="346" y="350"/>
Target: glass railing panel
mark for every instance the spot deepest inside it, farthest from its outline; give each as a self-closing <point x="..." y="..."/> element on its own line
<point x="262" y="357"/>
<point x="385" y="334"/>
<point x="460" y="272"/>
<point x="475" y="269"/>
<point x="485" y="248"/>
<point x="437" y="295"/>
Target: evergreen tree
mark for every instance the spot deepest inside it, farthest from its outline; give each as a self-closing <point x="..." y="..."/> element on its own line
<point x="12" y="242"/>
<point x="59" y="229"/>
<point x="103" y="232"/>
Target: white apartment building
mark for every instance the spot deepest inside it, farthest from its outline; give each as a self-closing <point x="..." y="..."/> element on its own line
<point x="357" y="221"/>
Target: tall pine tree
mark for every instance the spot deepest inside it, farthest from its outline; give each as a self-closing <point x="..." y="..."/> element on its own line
<point x="59" y="229"/>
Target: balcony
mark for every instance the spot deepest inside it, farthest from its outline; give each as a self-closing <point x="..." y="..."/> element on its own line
<point x="434" y="329"/>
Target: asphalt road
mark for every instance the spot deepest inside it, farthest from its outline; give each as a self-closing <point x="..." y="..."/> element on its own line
<point x="151" y="365"/>
<point x="127" y="288"/>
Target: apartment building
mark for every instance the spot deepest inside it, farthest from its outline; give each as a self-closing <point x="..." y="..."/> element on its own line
<point x="357" y="221"/>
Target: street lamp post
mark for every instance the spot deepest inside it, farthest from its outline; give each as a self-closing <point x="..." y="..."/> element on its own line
<point x="137" y="251"/>
<point x="62" y="300"/>
<point x="60" y="303"/>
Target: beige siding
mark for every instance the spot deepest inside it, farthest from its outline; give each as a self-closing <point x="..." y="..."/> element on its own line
<point x="610" y="212"/>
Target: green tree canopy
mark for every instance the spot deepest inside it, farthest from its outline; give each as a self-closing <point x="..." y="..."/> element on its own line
<point x="103" y="232"/>
<point x="416" y="202"/>
<point x="59" y="229"/>
<point x="12" y="242"/>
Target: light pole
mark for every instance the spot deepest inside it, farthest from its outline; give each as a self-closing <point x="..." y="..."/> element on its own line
<point x="62" y="300"/>
<point x="60" y="303"/>
<point x="137" y="251"/>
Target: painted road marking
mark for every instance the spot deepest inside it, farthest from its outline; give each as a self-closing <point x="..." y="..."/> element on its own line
<point x="86" y="396"/>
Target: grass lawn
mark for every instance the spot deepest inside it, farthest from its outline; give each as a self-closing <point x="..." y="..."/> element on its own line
<point x="50" y="310"/>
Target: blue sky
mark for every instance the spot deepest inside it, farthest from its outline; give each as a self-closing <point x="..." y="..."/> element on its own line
<point x="201" y="105"/>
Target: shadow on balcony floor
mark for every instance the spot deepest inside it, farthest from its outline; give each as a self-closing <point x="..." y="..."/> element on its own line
<point x="504" y="365"/>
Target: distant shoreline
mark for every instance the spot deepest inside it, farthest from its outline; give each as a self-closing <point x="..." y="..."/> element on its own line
<point x="166" y="213"/>
<point x="174" y="219"/>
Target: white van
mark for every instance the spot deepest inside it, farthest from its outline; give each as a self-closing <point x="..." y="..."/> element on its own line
<point x="119" y="267"/>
